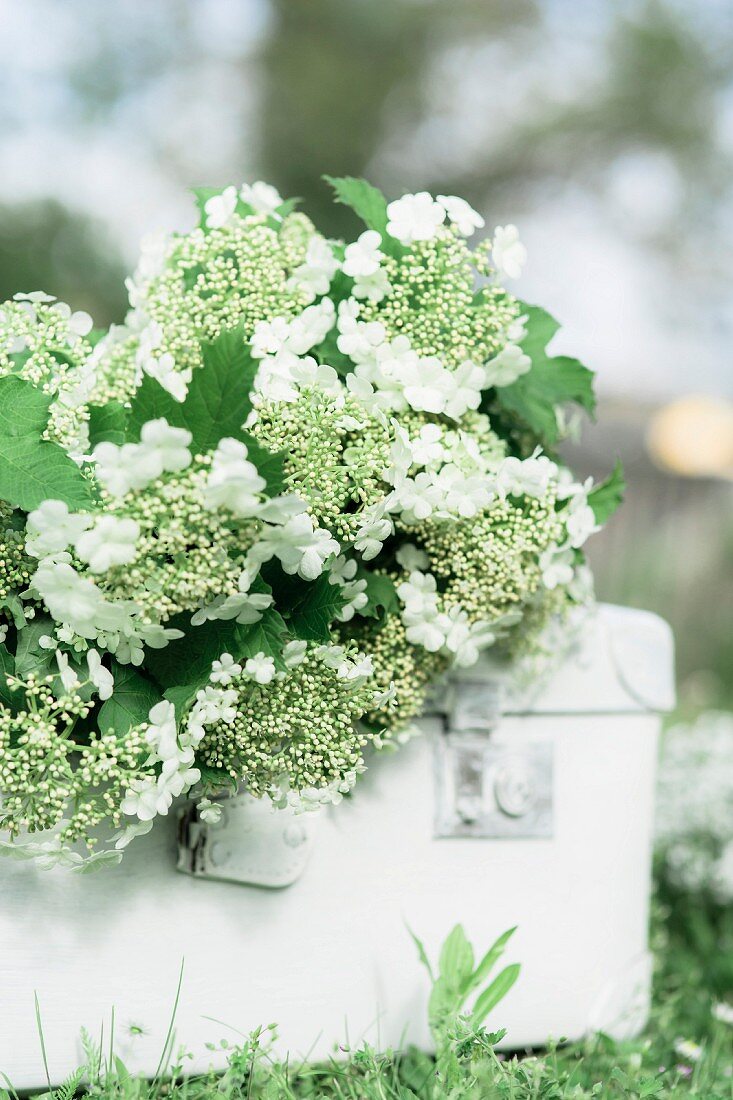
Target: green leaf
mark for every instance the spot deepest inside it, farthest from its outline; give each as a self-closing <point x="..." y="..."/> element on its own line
<point x="489" y="960"/>
<point x="456" y="959"/>
<point x="381" y="595"/>
<point x="444" y="1001"/>
<point x="422" y="953"/>
<point x="107" y="423"/>
<point x="552" y="381"/>
<point x="181" y="697"/>
<point x="218" y="400"/>
<point x="308" y="607"/>
<point x="494" y="993"/>
<point x="33" y="469"/>
<point x="30" y="657"/>
<point x="201" y="196"/>
<point x="187" y="661"/>
<point x="364" y="199"/>
<point x="15" y="607"/>
<point x="606" y="497"/>
<point x="131" y="701"/>
<point x="7" y="668"/>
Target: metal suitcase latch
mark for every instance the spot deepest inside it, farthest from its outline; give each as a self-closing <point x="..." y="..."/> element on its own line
<point x="486" y="786"/>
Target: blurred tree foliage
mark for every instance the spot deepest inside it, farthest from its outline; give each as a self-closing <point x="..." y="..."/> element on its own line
<point x="44" y="246"/>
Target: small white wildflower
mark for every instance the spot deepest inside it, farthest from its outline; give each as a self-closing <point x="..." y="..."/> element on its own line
<point x="300" y="546"/>
<point x="364" y="256"/>
<point x="411" y="558"/>
<point x="169" y="445"/>
<point x="723" y="1012"/>
<point x="233" y="481"/>
<point x="209" y="812"/>
<point x="686" y="1048"/>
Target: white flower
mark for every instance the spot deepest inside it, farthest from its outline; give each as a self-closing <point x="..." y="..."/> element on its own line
<point x="299" y="545"/>
<point x="427" y="384"/>
<point x="463" y="216"/>
<point x="526" y="477"/>
<point x="146" y="798"/>
<point x="219" y="209"/>
<point x="685" y="1048"/>
<point x="376" y="526"/>
<point x="358" y="339"/>
<point x="111" y="541"/>
<point x="68" y="676"/>
<point x="262" y="197"/>
<point x="233" y="481"/>
<point x="464" y="393"/>
<point x="364" y="256"/>
<point x="51" y="528"/>
<point x="100" y="677"/>
<point x="427" y="447"/>
<point x="414" y="218"/>
<point x="557" y="567"/>
<point x="372" y="287"/>
<point x="419" y="593"/>
<point x="461" y="494"/>
<point x="294" y="653"/>
<point x="209" y="812"/>
<point x="356" y="672"/>
<point x="508" y="252"/>
<point x="416" y="498"/>
<point x="315" y="274"/>
<point x="260" y="668"/>
<point x="506" y="367"/>
<point x="464" y="639"/>
<point x="723" y="1012"/>
<point x="270" y="337"/>
<point x="411" y="558"/>
<point x="224" y="670"/>
<point x="580" y="520"/>
<point x="169" y="445"/>
<point x="163" y="369"/>
<point x="69" y="598"/>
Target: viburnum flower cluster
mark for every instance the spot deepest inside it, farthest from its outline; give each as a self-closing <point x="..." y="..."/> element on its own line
<point x="244" y="532"/>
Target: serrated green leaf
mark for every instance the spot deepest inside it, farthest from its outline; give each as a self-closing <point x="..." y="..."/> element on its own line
<point x="33" y="469"/>
<point x="131" y="701"/>
<point x="456" y="959"/>
<point x="107" y="423"/>
<point x="365" y="200"/>
<point x="218" y="400"/>
<point x="494" y="993"/>
<point x="605" y="498"/>
<point x="187" y="661"/>
<point x="553" y="381"/>
<point x="308" y="607"/>
<point x="30" y="657"/>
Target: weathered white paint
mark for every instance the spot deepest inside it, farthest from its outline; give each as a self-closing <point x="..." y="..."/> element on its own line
<point x="329" y="958"/>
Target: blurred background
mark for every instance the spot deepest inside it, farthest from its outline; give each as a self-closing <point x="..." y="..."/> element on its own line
<point x="603" y="129"/>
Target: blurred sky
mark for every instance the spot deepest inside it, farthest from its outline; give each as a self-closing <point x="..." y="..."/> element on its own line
<point x="605" y="130"/>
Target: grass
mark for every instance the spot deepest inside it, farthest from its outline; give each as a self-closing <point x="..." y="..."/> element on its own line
<point x="693" y="943"/>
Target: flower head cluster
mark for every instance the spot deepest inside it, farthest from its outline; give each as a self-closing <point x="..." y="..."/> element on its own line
<point x="302" y="480"/>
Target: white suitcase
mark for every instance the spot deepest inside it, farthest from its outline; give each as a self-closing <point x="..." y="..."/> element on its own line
<point x="539" y="817"/>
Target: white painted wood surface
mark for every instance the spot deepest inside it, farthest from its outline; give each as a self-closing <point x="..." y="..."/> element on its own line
<point x="329" y="958"/>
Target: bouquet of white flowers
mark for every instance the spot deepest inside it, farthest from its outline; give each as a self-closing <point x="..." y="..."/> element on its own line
<point x="244" y="531"/>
